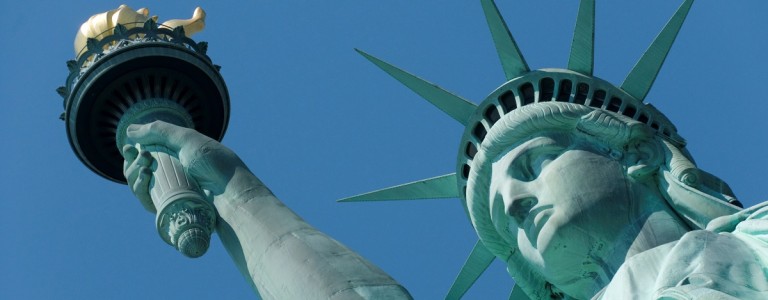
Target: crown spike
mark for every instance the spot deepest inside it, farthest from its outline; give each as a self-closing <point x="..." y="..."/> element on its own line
<point x="512" y="61"/>
<point x="433" y="188"/>
<point x="457" y="107"/>
<point x="477" y="262"/>
<point x="583" y="45"/>
<point x="643" y="74"/>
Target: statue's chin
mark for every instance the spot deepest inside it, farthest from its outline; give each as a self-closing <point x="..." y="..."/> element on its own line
<point x="573" y="265"/>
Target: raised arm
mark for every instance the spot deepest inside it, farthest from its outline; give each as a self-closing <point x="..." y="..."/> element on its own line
<point x="282" y="255"/>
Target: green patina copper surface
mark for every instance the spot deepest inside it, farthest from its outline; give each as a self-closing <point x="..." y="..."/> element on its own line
<point x="458" y="108"/>
<point x="583" y="45"/>
<point x="512" y="61"/>
<point x="587" y="192"/>
<point x="581" y="188"/>
<point x="432" y="188"/>
<point x="477" y="262"/>
<point x="147" y="101"/>
<point x="640" y="79"/>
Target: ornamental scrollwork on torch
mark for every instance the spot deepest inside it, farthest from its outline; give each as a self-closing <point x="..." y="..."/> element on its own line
<point x="187" y="226"/>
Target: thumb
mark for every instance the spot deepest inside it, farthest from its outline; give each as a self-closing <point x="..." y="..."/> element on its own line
<point x="157" y="133"/>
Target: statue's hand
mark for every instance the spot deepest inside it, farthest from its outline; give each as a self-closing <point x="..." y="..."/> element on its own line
<point x="209" y="162"/>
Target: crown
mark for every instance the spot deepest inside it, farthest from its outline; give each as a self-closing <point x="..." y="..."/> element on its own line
<point x="575" y="84"/>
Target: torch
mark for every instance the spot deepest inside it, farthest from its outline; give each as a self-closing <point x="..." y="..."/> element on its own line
<point x="137" y="72"/>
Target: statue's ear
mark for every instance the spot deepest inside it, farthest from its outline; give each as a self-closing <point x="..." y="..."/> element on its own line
<point x="644" y="157"/>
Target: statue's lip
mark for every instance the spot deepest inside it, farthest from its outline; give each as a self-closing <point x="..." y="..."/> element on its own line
<point x="535" y="221"/>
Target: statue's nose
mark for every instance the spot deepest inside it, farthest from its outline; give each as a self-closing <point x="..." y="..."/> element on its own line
<point x="519" y="198"/>
<point x="518" y="207"/>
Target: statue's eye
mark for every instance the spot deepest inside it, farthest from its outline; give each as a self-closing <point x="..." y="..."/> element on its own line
<point x="530" y="165"/>
<point x="541" y="162"/>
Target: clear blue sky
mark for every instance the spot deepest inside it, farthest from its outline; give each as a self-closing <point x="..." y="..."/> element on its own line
<point x="317" y="122"/>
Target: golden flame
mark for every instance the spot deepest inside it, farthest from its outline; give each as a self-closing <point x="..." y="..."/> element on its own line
<point x="102" y="25"/>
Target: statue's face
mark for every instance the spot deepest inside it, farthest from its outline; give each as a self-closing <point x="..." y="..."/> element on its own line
<point x="564" y="200"/>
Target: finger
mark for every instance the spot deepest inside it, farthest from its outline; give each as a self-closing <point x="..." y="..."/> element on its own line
<point x="144" y="158"/>
<point x="155" y="133"/>
<point x="141" y="188"/>
<point x="166" y="134"/>
<point x="141" y="185"/>
<point x="129" y="153"/>
<point x="142" y="161"/>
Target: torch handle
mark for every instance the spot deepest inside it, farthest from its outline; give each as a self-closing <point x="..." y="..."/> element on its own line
<point x="185" y="219"/>
<point x="168" y="178"/>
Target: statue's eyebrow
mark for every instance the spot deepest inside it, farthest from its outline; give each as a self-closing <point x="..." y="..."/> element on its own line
<point x="525" y="149"/>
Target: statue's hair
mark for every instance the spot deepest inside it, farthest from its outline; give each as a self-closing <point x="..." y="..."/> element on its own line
<point x="615" y="131"/>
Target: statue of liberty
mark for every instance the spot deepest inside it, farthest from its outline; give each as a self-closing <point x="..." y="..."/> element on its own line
<point x="582" y="188"/>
